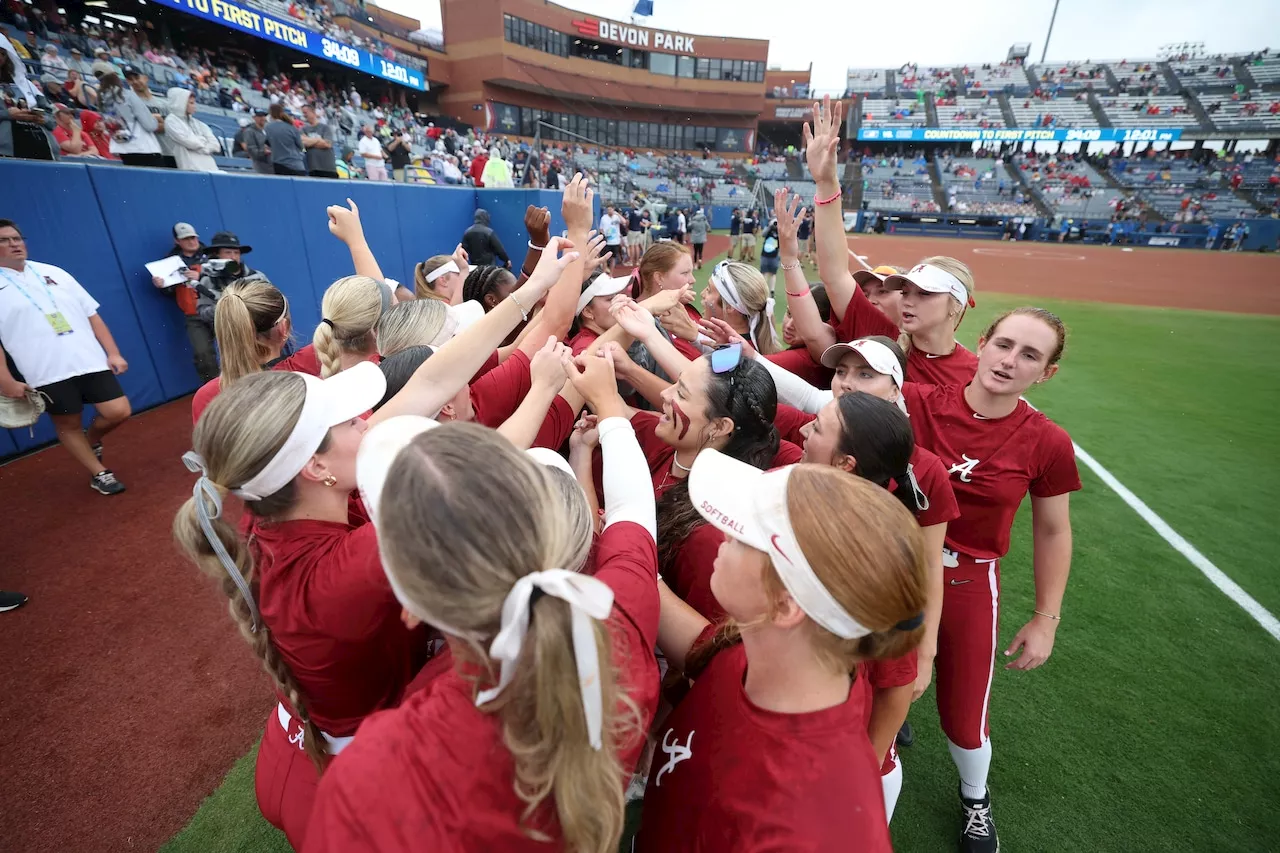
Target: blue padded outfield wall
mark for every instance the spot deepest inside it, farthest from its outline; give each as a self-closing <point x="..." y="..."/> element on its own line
<point x="102" y="223"/>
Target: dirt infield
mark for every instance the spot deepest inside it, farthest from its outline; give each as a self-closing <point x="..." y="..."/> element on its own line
<point x="127" y="694"/>
<point x="1246" y="283"/>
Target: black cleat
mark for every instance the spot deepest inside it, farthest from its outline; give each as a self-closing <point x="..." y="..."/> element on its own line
<point x="979" y="832"/>
<point x="11" y="600"/>
<point x="906" y="737"/>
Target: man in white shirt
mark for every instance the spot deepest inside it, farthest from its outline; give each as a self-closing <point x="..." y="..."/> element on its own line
<point x="63" y="349"/>
<point x="611" y="228"/>
<point x="371" y="150"/>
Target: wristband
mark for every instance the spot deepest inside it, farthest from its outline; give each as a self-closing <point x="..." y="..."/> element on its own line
<point x="835" y="197"/>
<point x="1047" y="615"/>
<point x="799" y="295"/>
<point x="536" y="248"/>
<point x="795" y="265"/>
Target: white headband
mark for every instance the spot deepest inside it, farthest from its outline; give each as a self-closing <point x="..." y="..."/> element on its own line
<point x="443" y="269"/>
<point x="750" y="505"/>
<point x="932" y="279"/>
<point x="588" y="598"/>
<point x="328" y="402"/>
<point x="728" y="291"/>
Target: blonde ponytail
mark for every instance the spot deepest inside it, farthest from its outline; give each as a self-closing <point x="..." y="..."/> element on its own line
<point x="424" y="289"/>
<point x="754" y="292"/>
<point x="246" y="315"/>
<point x="447" y="559"/>
<point x="351" y="308"/>
<point x="418" y="322"/>
<point x="241" y="431"/>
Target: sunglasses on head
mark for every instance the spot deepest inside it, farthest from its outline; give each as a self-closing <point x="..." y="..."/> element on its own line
<point x="725" y="359"/>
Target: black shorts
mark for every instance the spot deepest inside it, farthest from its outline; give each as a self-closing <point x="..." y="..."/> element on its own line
<point x="615" y="249"/>
<point x="69" y="396"/>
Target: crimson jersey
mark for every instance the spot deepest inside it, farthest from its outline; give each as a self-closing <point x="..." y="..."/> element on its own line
<point x="689" y="576"/>
<point x="799" y="362"/>
<point x="861" y="319"/>
<point x="730" y="776"/>
<point x="434" y="774"/>
<point x="334" y="618"/>
<point x="993" y="463"/>
<point x="585" y="338"/>
<point x="955" y="368"/>
<point x="302" y="361"/>
<point x="496" y="396"/>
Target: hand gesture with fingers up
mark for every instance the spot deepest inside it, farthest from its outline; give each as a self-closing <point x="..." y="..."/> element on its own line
<point x="785" y="207"/>
<point x="821" y="142"/>
<point x="344" y="223"/>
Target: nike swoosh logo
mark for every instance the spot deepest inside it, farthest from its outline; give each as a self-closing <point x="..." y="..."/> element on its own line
<point x="957" y="583"/>
<point x="931" y="355"/>
<point x="773" y="540"/>
<point x="981" y="417"/>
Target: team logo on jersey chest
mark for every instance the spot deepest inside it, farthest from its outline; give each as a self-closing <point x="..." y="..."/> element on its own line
<point x="676" y="752"/>
<point x="964" y="468"/>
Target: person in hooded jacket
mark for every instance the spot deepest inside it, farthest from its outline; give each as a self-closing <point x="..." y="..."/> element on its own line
<point x="497" y="171"/>
<point x="482" y="243"/>
<point x="192" y="141"/>
<point x="698" y="228"/>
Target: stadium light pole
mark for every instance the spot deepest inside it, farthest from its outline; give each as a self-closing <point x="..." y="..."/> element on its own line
<point x="1049" y="34"/>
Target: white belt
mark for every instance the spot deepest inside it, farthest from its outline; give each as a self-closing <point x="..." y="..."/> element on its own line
<point x="334" y="745"/>
<point x="951" y="559"/>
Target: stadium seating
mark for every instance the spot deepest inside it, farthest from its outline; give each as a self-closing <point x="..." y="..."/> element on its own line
<point x="970" y="112"/>
<point x="1071" y="76"/>
<point x="1059" y="112"/>
<point x="868" y="81"/>
<point x="904" y="112"/>
<point x="1265" y="71"/>
<point x="1204" y="74"/>
<point x="1135" y="111"/>
<point x="1006" y="76"/>
<point x="980" y="192"/>
<point x="1230" y="114"/>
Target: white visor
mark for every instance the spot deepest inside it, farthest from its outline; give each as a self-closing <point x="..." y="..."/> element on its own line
<point x="878" y="357"/>
<point x="548" y="457"/>
<point x="329" y="402"/>
<point x="602" y="286"/>
<point x="442" y="270"/>
<point x="932" y="279"/>
<point x="378" y="450"/>
<point x="750" y="505"/>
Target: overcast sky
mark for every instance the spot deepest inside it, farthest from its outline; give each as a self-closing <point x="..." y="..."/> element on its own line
<point x="836" y="35"/>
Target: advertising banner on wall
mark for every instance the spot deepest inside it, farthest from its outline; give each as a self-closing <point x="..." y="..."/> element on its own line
<point x="272" y="29"/>
<point x="1019" y="134"/>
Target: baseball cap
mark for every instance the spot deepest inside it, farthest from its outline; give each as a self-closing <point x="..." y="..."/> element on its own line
<point x="750" y="505"/>
<point x="102" y="69"/>
<point x="602" y="286"/>
<point x="75" y="51"/>
<point x="879" y="274"/>
<point x="260" y="112"/>
<point x="182" y="230"/>
<point x="932" y="279"/>
<point x="328" y="403"/>
<point x="48" y="78"/>
<point x="132" y="71"/>
<point x="379" y="448"/>
<point x="60" y="107"/>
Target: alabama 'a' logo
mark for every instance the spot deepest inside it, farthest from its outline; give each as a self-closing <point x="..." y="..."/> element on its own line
<point x="676" y="752"/>
<point x="964" y="468"/>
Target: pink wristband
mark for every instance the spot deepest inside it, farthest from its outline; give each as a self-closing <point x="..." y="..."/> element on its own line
<point x="817" y="200"/>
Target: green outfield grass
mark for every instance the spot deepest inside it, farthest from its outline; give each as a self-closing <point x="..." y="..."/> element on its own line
<point x="1152" y="726"/>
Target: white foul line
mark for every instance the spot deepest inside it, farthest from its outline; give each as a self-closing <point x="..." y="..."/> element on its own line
<point x="1216" y="576"/>
<point x="1226" y="585"/>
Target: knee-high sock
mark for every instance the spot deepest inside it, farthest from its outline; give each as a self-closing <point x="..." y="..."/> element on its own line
<point x="974" y="765"/>
<point x="892" y="784"/>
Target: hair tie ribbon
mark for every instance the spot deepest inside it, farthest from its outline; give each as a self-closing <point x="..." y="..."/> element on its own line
<point x="205" y="493"/>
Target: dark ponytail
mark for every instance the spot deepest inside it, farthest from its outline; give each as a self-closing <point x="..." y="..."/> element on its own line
<point x="877" y="434"/>
<point x="482" y="281"/>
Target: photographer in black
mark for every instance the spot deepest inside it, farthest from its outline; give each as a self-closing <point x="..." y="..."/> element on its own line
<point x="224" y="265"/>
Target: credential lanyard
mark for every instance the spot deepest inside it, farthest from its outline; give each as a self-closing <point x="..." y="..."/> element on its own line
<point x="17" y="282"/>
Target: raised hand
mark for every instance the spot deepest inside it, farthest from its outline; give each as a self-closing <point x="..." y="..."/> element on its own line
<point x="595" y="253"/>
<point x="678" y="322"/>
<point x="822" y="141"/>
<point x="550" y="265"/>
<point x="785" y="207"/>
<point x="576" y="206"/>
<point x="586" y="435"/>
<point x="546" y="368"/>
<point x="634" y="318"/>
<point x="593" y="377"/>
<point x="537" y="221"/>
<point x="461" y="258"/>
<point x="344" y="223"/>
<point x="664" y="300"/>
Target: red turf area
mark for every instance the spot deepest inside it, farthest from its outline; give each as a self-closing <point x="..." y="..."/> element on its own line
<point x="127" y="694"/>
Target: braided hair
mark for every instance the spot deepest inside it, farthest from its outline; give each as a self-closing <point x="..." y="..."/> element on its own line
<point x="484" y="281"/>
<point x="752" y="406"/>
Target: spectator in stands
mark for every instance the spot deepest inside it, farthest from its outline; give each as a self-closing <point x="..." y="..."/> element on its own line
<point x="318" y="138"/>
<point x="256" y="144"/>
<point x="193" y="142"/>
<point x="158" y="107"/>
<point x="452" y="174"/>
<point x="26" y="121"/>
<point x="553" y="176"/>
<point x="132" y="126"/>
<point x="478" y="162"/>
<point x="83" y="95"/>
<point x="611" y="227"/>
<point x="187" y="246"/>
<point x="52" y="63"/>
<point x="287" y="156"/>
<point x="698" y="229"/>
<point x="347" y="168"/>
<point x="398" y="154"/>
<point x="482" y="244"/>
<point x="63" y="349"/>
<point x="371" y="150"/>
<point x="497" y="171"/>
<point x="70" y="135"/>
